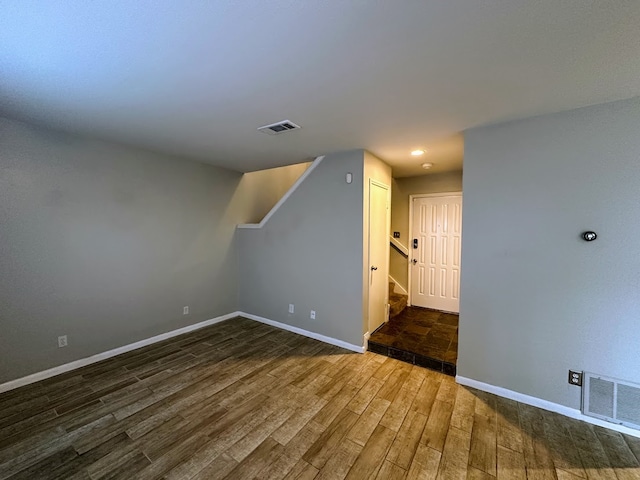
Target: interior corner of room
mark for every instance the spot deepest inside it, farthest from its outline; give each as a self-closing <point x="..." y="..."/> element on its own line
<point x="462" y="198"/>
<point x="104" y="244"/>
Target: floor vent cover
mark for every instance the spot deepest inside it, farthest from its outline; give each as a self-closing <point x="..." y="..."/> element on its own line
<point x="610" y="399"/>
<point x="279" y="127"/>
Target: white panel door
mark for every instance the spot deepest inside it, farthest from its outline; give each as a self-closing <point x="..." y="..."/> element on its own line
<point x="378" y="267"/>
<point x="435" y="252"/>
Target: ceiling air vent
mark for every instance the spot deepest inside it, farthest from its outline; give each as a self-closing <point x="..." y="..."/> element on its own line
<point x="279" y="127"/>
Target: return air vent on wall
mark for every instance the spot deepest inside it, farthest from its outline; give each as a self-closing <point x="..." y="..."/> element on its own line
<point x="610" y="399"/>
<point x="279" y="127"/>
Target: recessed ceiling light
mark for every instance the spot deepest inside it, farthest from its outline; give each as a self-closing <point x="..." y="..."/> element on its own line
<point x="417" y="153"/>
<point x="427" y="165"/>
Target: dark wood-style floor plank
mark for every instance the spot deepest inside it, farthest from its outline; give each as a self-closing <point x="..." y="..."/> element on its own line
<point x="241" y="399"/>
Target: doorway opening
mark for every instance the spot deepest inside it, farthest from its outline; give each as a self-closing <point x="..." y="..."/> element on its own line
<point x="378" y="254"/>
<point x="420" y="336"/>
<point x="425" y="333"/>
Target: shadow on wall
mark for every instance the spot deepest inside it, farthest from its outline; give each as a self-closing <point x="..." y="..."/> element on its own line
<point x="309" y="254"/>
<point x="106" y="244"/>
<point x="259" y="191"/>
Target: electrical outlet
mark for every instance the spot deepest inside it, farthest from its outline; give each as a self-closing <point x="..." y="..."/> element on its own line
<point x="185" y="310"/>
<point x="291" y="308"/>
<point x="312" y="315"/>
<point x="396" y="234"/>
<point x="575" y="378"/>
<point x="62" y="341"/>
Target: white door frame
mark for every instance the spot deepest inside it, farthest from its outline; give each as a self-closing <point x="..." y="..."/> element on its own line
<point x="387" y="260"/>
<point x="410" y="246"/>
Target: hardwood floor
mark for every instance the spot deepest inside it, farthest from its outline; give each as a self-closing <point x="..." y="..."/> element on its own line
<point x="243" y="400"/>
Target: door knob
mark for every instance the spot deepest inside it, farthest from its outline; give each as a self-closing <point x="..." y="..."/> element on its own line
<point x="374" y="268"/>
<point x="414" y="261"/>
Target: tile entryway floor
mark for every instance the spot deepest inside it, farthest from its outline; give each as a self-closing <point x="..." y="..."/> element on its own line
<point x="420" y="336"/>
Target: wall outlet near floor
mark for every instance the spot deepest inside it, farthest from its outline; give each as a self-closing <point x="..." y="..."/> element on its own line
<point x="291" y="308"/>
<point x="62" y="341"/>
<point x="312" y="315"/>
<point x="575" y="378"/>
<point x="185" y="310"/>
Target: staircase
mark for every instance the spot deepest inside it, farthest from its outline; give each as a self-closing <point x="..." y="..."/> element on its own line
<point x="397" y="301"/>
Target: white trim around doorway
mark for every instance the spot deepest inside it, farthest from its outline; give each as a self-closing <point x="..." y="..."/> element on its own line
<point x="410" y="246"/>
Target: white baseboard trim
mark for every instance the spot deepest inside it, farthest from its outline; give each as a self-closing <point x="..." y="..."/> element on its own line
<point x="367" y="336"/>
<point x="544" y="404"/>
<point x="67" y="367"/>
<point x="306" y="333"/>
<point x="83" y="362"/>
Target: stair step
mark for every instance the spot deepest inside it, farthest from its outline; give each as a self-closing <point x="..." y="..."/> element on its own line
<point x="397" y="303"/>
<point x="438" y="365"/>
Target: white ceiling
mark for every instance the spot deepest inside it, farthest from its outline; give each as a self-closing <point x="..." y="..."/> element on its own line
<point x="197" y="78"/>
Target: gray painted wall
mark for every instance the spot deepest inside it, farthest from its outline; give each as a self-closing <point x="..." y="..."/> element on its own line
<point x="106" y="245"/>
<point x="402" y="188"/>
<point x="536" y="299"/>
<point x="310" y="254"/>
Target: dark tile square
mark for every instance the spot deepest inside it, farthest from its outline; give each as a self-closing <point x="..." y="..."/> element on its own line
<point x="449" y="369"/>
<point x="424" y="322"/>
<point x="449" y="319"/>
<point x="390" y="329"/>
<point x="438" y="333"/>
<point x="382" y="338"/>
<point x="450" y="356"/>
<point x="401" y="355"/>
<point x="409" y="345"/>
<point x="411" y="337"/>
<point x="377" y="348"/>
<point x="427" y="362"/>
<point x="402" y="344"/>
<point x="437" y="343"/>
<point x="420" y="336"/>
<point x="431" y="352"/>
<point x="440" y="328"/>
<point x="416" y="327"/>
